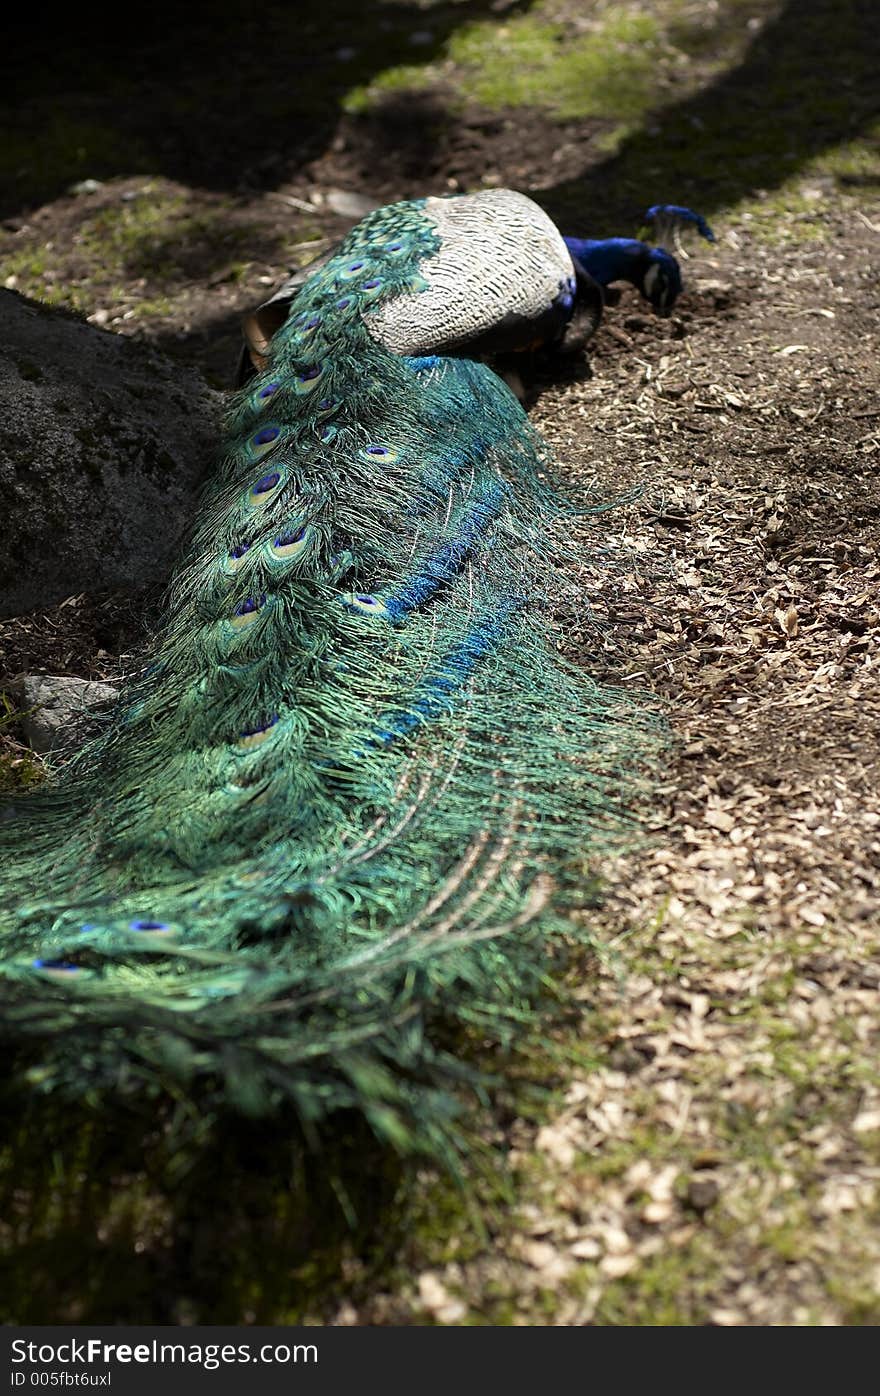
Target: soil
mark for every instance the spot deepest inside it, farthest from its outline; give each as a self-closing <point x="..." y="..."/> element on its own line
<point x="736" y="586"/>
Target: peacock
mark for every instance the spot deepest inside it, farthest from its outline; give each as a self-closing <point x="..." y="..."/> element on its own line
<point x="339" y="820"/>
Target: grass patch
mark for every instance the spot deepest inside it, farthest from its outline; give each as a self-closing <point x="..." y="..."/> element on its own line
<point x="529" y="61"/>
<point x="662" y="1294"/>
<point x="532" y="61"/>
<point x="134" y="254"/>
<point x="20" y="768"/>
<point x="612" y="62"/>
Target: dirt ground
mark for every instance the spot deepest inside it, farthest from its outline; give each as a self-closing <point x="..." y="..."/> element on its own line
<point x="713" y="1154"/>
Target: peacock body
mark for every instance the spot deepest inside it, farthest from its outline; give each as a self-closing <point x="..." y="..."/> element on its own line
<point x="352" y="791"/>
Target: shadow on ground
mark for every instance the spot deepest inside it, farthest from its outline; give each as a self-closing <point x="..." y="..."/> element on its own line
<point x="808" y="82"/>
<point x="240" y="102"/>
<point x="112" y="1222"/>
<point x="220" y="97"/>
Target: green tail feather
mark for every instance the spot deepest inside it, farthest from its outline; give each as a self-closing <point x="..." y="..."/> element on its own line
<point x="352" y="793"/>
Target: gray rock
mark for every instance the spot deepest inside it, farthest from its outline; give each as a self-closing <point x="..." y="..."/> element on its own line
<point x="55" y="706"/>
<point x="103" y="442"/>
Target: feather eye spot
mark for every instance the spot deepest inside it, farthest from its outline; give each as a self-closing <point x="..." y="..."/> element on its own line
<point x="263" y="440"/>
<point x="252" y="604"/>
<point x="376" y="451"/>
<point x="351" y="271"/>
<point x="150" y="926"/>
<point x="326" y="433"/>
<point x="247" y="612"/>
<point x="236" y="556"/>
<point x="264" y="488"/>
<point x="255" y="736"/>
<point x="307" y="380"/>
<point x="58" y="968"/>
<point x="267" y="392"/>
<point x="284" y="540"/>
<point x="372" y="284"/>
<point x="344" y="303"/>
<point x="267" y="482"/>
<point x="266" y="435"/>
<point x="366" y="603"/>
<point x="290" y="543"/>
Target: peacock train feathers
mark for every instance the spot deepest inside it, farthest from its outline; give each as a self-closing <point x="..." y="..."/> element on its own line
<point x="351" y="794"/>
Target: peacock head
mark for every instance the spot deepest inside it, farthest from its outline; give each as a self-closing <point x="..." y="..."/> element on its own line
<point x="661" y="280"/>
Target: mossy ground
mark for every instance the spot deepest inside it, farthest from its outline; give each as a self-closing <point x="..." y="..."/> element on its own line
<point x="20" y="769"/>
<point x="708" y="1149"/>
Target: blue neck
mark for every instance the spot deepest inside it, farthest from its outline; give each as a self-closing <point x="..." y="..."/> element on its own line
<point x="610" y="259"/>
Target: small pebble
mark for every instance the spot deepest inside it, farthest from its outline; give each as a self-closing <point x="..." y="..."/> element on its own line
<point x="616" y="1266"/>
<point x="702" y="1193"/>
<point x="656" y="1212"/>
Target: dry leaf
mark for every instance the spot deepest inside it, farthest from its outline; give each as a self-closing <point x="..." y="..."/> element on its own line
<point x="787" y="621"/>
<point x="867" y="1122"/>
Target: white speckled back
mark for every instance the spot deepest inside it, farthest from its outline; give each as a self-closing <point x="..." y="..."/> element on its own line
<point x="501" y="257"/>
